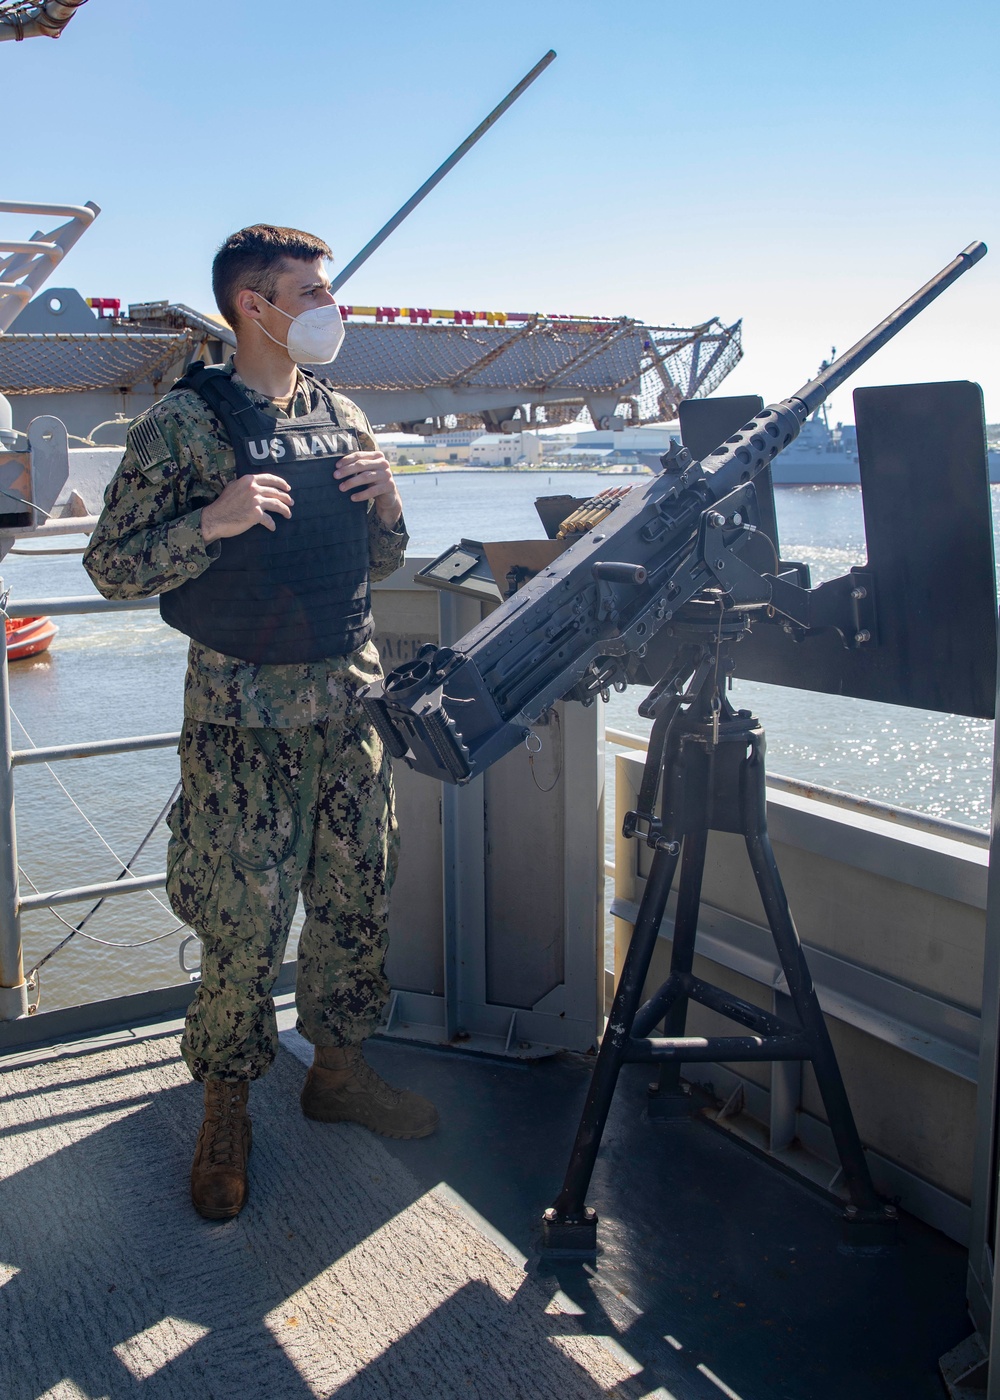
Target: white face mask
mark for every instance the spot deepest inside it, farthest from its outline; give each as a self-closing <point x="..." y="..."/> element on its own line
<point x="314" y="337"/>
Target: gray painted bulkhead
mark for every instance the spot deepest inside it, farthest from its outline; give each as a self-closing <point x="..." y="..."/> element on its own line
<point x="497" y="924"/>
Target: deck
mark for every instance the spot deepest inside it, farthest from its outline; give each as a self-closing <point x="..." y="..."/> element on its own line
<point x="368" y="1268"/>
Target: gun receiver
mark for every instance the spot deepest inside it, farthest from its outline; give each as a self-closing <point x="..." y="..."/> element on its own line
<point x="584" y="623"/>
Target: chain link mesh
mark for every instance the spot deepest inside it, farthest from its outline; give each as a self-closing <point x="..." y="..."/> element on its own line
<point x="650" y="367"/>
<point x="653" y="366"/>
<point x="53" y="364"/>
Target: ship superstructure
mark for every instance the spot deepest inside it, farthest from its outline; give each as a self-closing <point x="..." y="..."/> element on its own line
<point x="412" y="370"/>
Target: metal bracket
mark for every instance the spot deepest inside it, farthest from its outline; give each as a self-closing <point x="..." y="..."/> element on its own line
<point x="724" y="532"/>
<point x="847" y="604"/>
<point x="869" y="1231"/>
<point x="643" y="825"/>
<point x="569" y="1239"/>
<point x="49" y="444"/>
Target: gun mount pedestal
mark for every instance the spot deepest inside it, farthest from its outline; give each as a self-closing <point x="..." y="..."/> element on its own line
<point x="707" y="760"/>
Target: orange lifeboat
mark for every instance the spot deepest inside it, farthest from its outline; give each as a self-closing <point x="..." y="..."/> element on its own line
<point x="27" y="636"/>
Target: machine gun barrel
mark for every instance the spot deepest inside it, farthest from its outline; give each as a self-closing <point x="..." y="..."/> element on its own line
<point x="814" y="393"/>
<point x="742" y="456"/>
<point x="586" y="621"/>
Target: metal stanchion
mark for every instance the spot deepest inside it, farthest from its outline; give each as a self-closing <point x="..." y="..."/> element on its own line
<point x="13" y="988"/>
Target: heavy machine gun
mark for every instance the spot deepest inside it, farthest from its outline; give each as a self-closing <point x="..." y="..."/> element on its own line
<point x="676" y="587"/>
<point x="604" y="612"/>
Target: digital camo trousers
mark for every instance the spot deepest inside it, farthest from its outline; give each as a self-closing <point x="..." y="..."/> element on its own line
<point x="263" y="815"/>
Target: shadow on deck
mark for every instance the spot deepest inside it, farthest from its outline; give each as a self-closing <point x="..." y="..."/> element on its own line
<point x="354" y="1272"/>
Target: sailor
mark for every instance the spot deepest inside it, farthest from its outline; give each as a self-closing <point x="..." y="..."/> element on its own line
<point x="255" y="501"/>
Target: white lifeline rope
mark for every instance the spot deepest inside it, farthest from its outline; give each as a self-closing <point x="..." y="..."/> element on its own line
<point x="126" y="869"/>
<point x="77" y="929"/>
<point x="34" y="978"/>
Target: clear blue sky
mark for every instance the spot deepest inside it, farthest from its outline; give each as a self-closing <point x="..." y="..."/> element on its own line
<point x="805" y="167"/>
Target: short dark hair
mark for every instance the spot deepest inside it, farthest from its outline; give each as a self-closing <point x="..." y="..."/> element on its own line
<point x="253" y="257"/>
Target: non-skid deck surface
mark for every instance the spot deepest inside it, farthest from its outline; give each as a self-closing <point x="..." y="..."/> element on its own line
<point x="341" y="1277"/>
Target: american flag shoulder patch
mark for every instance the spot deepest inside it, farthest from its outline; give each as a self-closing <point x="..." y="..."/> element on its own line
<point x="147" y="442"/>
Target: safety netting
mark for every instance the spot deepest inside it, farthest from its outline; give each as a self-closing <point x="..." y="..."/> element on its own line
<point x="653" y="366"/>
<point x="681" y="363"/>
<point x="59" y="364"/>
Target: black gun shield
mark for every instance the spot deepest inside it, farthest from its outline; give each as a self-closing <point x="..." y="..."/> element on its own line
<point x="926" y="496"/>
<point x="705" y="423"/>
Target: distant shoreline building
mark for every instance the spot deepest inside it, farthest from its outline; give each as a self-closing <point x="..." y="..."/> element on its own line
<point x="505" y="450"/>
<point x="576" y="444"/>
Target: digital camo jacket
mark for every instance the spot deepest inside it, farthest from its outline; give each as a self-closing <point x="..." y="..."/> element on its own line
<point x="148" y="540"/>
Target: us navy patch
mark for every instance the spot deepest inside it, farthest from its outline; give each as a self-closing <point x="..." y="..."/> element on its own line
<point x="292" y="446"/>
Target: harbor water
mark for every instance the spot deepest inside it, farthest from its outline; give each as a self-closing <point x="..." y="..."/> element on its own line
<point x="108" y="677"/>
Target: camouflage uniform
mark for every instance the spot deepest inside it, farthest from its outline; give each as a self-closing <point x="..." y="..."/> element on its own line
<point x="285" y="784"/>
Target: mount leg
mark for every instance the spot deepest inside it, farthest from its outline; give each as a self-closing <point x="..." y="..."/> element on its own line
<point x="569" y="1227"/>
<point x="667" y="1099"/>
<point x="869" y="1221"/>
<point x="711" y="759"/>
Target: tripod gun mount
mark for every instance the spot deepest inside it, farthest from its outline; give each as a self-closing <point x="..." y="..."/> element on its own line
<point x="660" y="593"/>
<point x="706" y="760"/>
<point x="586" y="621"/>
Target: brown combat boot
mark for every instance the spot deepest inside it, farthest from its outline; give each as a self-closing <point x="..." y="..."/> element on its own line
<point x="219" y="1169"/>
<point x="341" y="1087"/>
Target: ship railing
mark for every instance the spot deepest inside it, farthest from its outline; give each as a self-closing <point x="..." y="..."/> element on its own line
<point x="26" y="264"/>
<point x="849" y="801"/>
<point x="546" y="1000"/>
<point x="13" y="986"/>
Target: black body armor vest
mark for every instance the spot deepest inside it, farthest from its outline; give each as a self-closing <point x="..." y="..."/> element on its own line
<point x="299" y="592"/>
